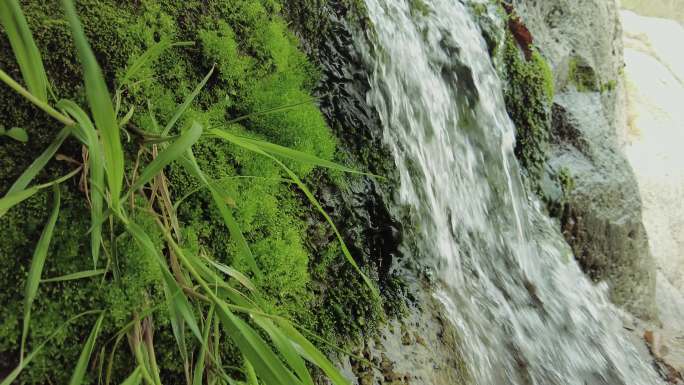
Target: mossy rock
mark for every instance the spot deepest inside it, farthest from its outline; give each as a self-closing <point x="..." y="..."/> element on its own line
<point x="528" y="93"/>
<point x="582" y="76"/>
<point x="257" y="67"/>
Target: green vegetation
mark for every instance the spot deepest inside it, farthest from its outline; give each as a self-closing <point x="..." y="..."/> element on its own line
<point x="582" y="76"/>
<point x="558" y="197"/>
<point x="173" y="247"/>
<point x="528" y="95"/>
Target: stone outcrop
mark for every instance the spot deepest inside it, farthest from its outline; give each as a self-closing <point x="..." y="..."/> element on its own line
<point x="601" y="214"/>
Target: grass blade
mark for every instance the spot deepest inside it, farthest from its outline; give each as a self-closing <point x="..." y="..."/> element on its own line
<point x="96" y="167"/>
<point x="254" y="348"/>
<point x="100" y="105"/>
<point x="284" y="152"/>
<point x="9" y="379"/>
<point x="36" y="269"/>
<point x="199" y="366"/>
<point x="272" y="110"/>
<point x="220" y="198"/>
<point x="17" y="133"/>
<point x="250" y="374"/>
<point x="248" y="341"/>
<point x="174" y="151"/>
<point x="13" y="199"/>
<point x="309" y="195"/>
<point x="151" y="54"/>
<point x="178" y="302"/>
<point x="134" y="378"/>
<point x="38" y="164"/>
<point x="24" y="47"/>
<point x="233" y="273"/>
<point x="33" y="99"/>
<point x="74" y="276"/>
<point x="320" y="209"/>
<point x="285" y="348"/>
<point x="186" y="103"/>
<point x="127" y="117"/>
<point x="311" y="353"/>
<point x="84" y="358"/>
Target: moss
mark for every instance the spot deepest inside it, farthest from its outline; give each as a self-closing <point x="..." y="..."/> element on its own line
<point x="258" y="67"/>
<point x="567" y="182"/>
<point x="582" y="76"/>
<point x="608" y="86"/>
<point x="558" y="193"/>
<point x="528" y="95"/>
<point x="584" y="79"/>
<point x="479" y="9"/>
<point x="345" y="307"/>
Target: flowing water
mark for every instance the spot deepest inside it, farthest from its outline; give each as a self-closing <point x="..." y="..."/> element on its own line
<point x="524" y="311"/>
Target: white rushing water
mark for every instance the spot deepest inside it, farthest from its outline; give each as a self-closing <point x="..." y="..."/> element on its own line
<point x="524" y="311"/>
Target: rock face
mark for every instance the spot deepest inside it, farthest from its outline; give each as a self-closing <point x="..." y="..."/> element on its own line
<point x="601" y="215"/>
<point x="420" y="349"/>
<point x="416" y="345"/>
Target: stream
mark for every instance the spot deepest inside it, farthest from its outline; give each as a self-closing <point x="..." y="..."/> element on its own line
<point x="524" y="311"/>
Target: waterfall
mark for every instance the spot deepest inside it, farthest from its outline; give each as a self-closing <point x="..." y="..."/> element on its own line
<point x="524" y="311"/>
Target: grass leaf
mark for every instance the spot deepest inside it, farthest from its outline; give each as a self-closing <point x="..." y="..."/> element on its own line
<point x="24" y="47"/>
<point x="17" y="133"/>
<point x="250" y="374"/>
<point x="127" y="117"/>
<point x="11" y="376"/>
<point x="257" y="149"/>
<point x="37" y="263"/>
<point x="84" y="358"/>
<point x="233" y="273"/>
<point x="285" y="348"/>
<point x="5" y="78"/>
<point x="220" y="198"/>
<point x="10" y="200"/>
<point x="174" y="151"/>
<point x="134" y="378"/>
<point x="74" y="276"/>
<point x="200" y="365"/>
<point x="38" y="164"/>
<point x="266" y="363"/>
<point x="100" y="105"/>
<point x="311" y="353"/>
<point x="186" y="103"/>
<point x="151" y="54"/>
<point x="284" y="152"/>
<point x="96" y="167"/>
<point x="179" y="306"/>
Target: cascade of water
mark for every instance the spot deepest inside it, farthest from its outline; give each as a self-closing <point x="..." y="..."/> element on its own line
<point x="524" y="311"/>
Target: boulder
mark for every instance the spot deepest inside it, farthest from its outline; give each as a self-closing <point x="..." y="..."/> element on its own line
<point x="601" y="214"/>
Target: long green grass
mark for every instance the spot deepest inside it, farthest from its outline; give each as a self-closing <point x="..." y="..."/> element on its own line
<point x="204" y="297"/>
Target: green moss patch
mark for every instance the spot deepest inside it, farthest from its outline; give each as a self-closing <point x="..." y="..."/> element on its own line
<point x="582" y="76"/>
<point x="260" y="87"/>
<point x="528" y="95"/>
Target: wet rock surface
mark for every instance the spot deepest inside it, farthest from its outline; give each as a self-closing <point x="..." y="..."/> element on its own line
<point x="601" y="219"/>
<point x="601" y="215"/>
<point x="420" y="349"/>
<point x="415" y="345"/>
